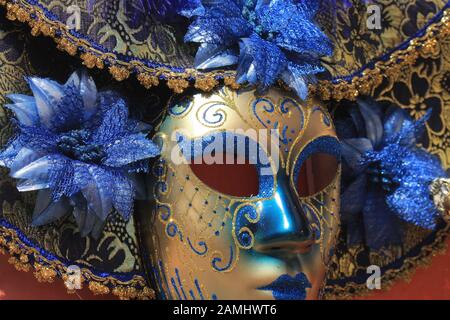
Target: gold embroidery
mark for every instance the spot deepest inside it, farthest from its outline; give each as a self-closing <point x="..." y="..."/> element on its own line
<point x="25" y="258"/>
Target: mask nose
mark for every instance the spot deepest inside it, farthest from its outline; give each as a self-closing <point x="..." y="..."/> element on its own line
<point x="283" y="225"/>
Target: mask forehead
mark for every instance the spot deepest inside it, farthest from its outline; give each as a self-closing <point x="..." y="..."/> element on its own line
<point x="242" y="111"/>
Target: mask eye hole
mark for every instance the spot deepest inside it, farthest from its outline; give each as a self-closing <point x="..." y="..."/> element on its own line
<point x="316" y="173"/>
<point x="237" y="179"/>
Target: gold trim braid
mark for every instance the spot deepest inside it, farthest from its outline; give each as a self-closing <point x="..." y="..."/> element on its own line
<point x="26" y="258"/>
<point x="363" y="84"/>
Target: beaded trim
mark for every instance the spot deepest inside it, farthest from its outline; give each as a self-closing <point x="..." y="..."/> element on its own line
<point x="350" y="88"/>
<point x="25" y="257"/>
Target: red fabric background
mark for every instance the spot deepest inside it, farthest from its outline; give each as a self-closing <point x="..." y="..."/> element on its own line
<point x="432" y="282"/>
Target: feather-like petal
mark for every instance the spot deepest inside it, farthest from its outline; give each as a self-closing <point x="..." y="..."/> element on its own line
<point x="213" y="56"/>
<point x="130" y="149"/>
<point x="47" y="94"/>
<point x="98" y="192"/>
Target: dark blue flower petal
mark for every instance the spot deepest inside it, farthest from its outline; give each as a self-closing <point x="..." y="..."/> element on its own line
<point x="353" y="198"/>
<point x="382" y="227"/>
<point x="47" y="210"/>
<point x="374" y="127"/>
<point x="353" y="151"/>
<point x="411" y="131"/>
<point x="294" y="30"/>
<point x="393" y="123"/>
<point x="131" y="148"/>
<point x="413" y="170"/>
<point x="99" y="192"/>
<point x="298" y="75"/>
<point x="191" y="8"/>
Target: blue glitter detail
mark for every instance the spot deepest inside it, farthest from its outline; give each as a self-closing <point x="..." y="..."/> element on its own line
<point x="172" y="229"/>
<point x="164" y="215"/>
<point x="202" y="244"/>
<point x="217" y="260"/>
<point x="289" y="288"/>
<point x="325" y="144"/>
<point x="267" y="106"/>
<point x="245" y="239"/>
<point x="198" y="289"/>
<point x="180" y="284"/>
<point x="182" y="70"/>
<point x="172" y="280"/>
<point x="276" y="39"/>
<point x="159" y="281"/>
<point x="233" y="144"/>
<point x="78" y="147"/>
<point x="245" y="217"/>
<point x="163" y="273"/>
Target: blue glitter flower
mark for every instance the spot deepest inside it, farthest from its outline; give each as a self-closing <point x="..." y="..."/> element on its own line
<point x="268" y="39"/>
<point x="160" y="9"/>
<point x="79" y="148"/>
<point x="386" y="176"/>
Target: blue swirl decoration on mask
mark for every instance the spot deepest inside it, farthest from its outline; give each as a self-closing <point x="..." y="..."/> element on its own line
<point x="79" y="148"/>
<point x="211" y="113"/>
<point x="245" y="216"/>
<point x="202" y="244"/>
<point x="386" y="176"/>
<point x="266" y="39"/>
<point x="216" y="260"/>
<point x="164" y="211"/>
<point x="264" y="106"/>
<point x="181" y="107"/>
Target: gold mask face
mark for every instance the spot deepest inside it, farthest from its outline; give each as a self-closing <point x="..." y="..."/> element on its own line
<point x="263" y="224"/>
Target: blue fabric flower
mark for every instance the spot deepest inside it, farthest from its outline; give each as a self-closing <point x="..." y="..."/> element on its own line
<point x="268" y="39"/>
<point x="79" y="148"/>
<point x="386" y="176"/>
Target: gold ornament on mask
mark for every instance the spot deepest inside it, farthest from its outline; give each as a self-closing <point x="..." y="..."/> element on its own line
<point x="207" y="241"/>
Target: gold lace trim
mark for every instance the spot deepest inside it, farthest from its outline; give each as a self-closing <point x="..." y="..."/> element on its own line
<point x="22" y="11"/>
<point x="25" y="258"/>
<point x="391" y="276"/>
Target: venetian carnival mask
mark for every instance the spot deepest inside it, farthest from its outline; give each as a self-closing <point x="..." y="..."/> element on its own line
<point x="246" y="198"/>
